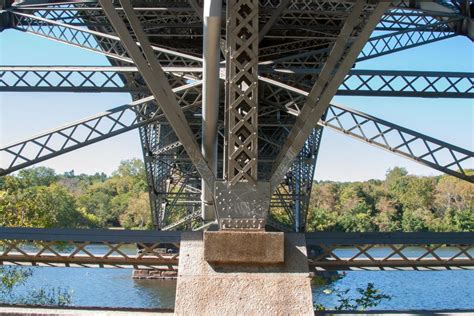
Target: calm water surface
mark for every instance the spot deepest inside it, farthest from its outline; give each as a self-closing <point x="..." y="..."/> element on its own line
<point x="115" y="287"/>
<point x="409" y="289"/>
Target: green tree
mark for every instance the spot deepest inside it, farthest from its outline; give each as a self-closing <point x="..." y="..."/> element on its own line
<point x="13" y="277"/>
<point x="320" y="219"/>
<point x="388" y="216"/>
<point x="416" y="220"/>
<point x="131" y="168"/>
<point x="40" y="206"/>
<point x="368" y="297"/>
<point x="137" y="213"/>
<point x="37" y="176"/>
<point x="463" y="220"/>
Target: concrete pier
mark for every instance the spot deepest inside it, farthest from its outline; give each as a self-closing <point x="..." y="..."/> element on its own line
<point x="204" y="288"/>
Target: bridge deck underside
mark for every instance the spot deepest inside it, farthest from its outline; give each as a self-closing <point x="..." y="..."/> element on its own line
<point x="295" y="42"/>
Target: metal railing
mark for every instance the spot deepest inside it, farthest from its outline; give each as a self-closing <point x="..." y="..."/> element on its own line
<point x="89" y="248"/>
<point x="151" y="249"/>
<point x="390" y="251"/>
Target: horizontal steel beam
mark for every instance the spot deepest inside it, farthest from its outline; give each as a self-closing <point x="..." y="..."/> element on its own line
<point x="399" y="251"/>
<point x="395" y="238"/>
<point x="387" y="83"/>
<point x="78" y="248"/>
<point x="357" y="82"/>
<point x="89" y="235"/>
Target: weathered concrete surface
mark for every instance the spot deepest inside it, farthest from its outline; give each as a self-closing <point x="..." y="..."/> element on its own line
<point x="243" y="247"/>
<point x="243" y="289"/>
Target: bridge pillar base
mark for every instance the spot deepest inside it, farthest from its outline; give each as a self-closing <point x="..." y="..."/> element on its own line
<point x="250" y="288"/>
<point x="241" y="247"/>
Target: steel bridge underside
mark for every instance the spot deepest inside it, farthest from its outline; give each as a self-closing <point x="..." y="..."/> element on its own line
<point x="294" y="41"/>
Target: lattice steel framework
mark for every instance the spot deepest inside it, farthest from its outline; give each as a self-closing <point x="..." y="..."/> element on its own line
<point x="242" y="92"/>
<point x="390" y="251"/>
<point x="299" y="50"/>
<point x="358" y="82"/>
<point x="326" y="251"/>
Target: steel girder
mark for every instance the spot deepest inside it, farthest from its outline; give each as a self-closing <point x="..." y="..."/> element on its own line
<point x="376" y="46"/>
<point x="69" y="17"/>
<point x="241" y="91"/>
<point x="388" y="83"/>
<point x="300" y="178"/>
<point x="83" y="79"/>
<point x="142" y="53"/>
<point x="310" y="15"/>
<point x="357" y="82"/>
<point x="390" y="43"/>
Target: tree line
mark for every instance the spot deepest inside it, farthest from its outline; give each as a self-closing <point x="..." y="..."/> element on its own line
<point x="38" y="197"/>
<point x="400" y="202"/>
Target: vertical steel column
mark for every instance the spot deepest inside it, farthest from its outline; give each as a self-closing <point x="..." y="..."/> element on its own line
<point x="210" y="96"/>
<point x="241" y="90"/>
<point x="297" y="193"/>
<point x="301" y="179"/>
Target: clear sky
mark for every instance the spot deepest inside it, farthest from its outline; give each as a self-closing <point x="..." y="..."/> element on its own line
<point x="341" y="157"/>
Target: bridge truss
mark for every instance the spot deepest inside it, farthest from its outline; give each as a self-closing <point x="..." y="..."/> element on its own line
<point x="300" y="53"/>
<point x="94" y="248"/>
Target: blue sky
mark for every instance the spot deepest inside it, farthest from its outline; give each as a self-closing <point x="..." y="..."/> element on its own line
<point x="341" y="158"/>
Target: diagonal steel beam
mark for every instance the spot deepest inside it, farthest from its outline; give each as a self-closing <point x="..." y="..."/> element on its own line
<point x="156" y="81"/>
<point x="407" y="143"/>
<point x="326" y="86"/>
<point x="429" y="151"/>
<point x="409" y="38"/>
<point x="399" y="83"/>
<point x="90" y="130"/>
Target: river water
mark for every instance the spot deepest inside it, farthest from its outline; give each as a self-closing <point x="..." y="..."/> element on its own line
<point x="115" y="287"/>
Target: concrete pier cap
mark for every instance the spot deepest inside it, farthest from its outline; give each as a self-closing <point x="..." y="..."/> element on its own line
<point x="257" y="247"/>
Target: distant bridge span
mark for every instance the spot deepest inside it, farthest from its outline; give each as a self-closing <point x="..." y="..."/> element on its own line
<point x="326" y="251"/>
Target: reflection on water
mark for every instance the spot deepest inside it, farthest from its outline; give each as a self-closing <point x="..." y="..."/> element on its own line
<point x="105" y="287"/>
<point x="409" y="289"/>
